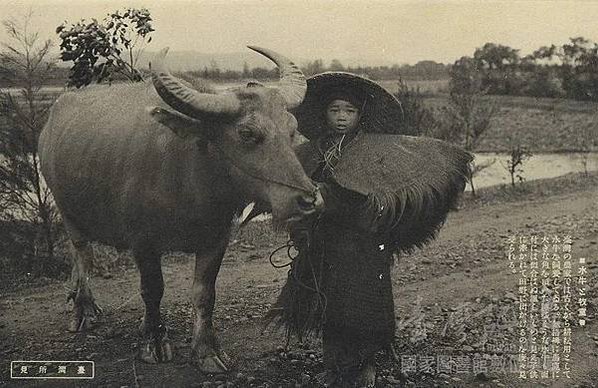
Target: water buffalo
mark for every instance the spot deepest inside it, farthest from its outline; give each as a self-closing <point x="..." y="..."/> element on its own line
<point x="163" y="167"/>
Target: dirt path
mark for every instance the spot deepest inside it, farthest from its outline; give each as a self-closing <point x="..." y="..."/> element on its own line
<point x="446" y="296"/>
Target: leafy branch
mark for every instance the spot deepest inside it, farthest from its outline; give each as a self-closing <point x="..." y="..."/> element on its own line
<point x="99" y="50"/>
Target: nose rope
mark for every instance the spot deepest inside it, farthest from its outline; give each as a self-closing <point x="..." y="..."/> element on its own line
<point x="313" y="192"/>
<point x="332" y="155"/>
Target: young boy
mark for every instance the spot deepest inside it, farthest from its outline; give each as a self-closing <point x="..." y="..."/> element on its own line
<point x="356" y="309"/>
<point x="341" y="111"/>
<point x="383" y="193"/>
<point x="359" y="315"/>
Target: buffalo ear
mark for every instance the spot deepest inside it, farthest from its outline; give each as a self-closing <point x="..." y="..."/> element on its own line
<point x="183" y="126"/>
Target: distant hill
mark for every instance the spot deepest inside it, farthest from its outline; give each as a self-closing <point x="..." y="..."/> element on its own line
<point x="229" y="66"/>
<point x="194" y="60"/>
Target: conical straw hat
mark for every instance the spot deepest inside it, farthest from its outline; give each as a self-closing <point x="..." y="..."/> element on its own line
<point x="382" y="112"/>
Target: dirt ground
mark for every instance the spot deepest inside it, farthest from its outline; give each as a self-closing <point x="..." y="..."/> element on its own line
<point x="456" y="297"/>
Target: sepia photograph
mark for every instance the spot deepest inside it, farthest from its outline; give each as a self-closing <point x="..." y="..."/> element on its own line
<point x="318" y="193"/>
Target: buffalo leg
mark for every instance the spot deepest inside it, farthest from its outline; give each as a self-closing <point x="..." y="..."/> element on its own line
<point x="367" y="373"/>
<point x="205" y="349"/>
<point x="85" y="308"/>
<point x="154" y="346"/>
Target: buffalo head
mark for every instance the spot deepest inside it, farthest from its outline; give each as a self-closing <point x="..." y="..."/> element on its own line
<point x="250" y="130"/>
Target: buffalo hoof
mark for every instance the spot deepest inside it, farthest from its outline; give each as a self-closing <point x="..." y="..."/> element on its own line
<point x="326" y="378"/>
<point x="86" y="313"/>
<point x="155" y="350"/>
<point x="216" y="363"/>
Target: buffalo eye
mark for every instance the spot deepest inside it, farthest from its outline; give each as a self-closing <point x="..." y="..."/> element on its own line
<point x="250" y="136"/>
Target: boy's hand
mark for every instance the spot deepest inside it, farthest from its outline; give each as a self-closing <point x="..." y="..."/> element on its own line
<point x="331" y="201"/>
<point x="349" y="210"/>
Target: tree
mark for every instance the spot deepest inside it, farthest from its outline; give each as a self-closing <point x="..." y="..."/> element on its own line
<point x="543" y="82"/>
<point x="579" y="70"/>
<point x="417" y="118"/>
<point x="586" y="141"/>
<point x="467" y="116"/>
<point x="498" y="66"/>
<point x="246" y="70"/>
<point x="518" y="155"/>
<point x="100" y="51"/>
<point x="496" y="56"/>
<point x="465" y="99"/>
<point x="336" y="65"/>
<point x="545" y="53"/>
<point x="429" y="70"/>
<point x="27" y="207"/>
<point x="572" y="53"/>
<point x="314" y="67"/>
<point x="214" y="70"/>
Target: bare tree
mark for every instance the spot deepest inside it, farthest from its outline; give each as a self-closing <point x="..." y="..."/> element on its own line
<point x="26" y="205"/>
<point x="518" y="155"/>
<point x="466" y="102"/>
<point x="586" y="141"/>
<point x="467" y="113"/>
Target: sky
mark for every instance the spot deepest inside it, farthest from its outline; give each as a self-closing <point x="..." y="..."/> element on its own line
<point x="384" y="31"/>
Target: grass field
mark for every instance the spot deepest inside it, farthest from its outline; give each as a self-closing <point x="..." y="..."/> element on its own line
<point x="541" y="124"/>
<point x="425" y="87"/>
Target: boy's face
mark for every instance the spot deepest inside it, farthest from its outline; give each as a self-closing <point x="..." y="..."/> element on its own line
<point x="342" y="116"/>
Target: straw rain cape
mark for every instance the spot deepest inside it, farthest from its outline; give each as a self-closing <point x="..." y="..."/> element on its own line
<point x="410" y="183"/>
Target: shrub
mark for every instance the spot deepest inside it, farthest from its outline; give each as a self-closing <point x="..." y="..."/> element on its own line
<point x="418" y="119"/>
<point x="518" y="155"/>
<point x="28" y="216"/>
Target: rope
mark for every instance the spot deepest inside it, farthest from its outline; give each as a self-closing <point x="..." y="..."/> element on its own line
<point x="333" y="154"/>
<point x="289" y="245"/>
<point x="292" y="274"/>
<point x="262" y="178"/>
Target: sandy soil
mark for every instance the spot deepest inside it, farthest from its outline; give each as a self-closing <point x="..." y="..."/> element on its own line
<point x="446" y="296"/>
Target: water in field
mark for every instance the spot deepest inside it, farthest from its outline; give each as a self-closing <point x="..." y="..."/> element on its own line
<point x="540" y="166"/>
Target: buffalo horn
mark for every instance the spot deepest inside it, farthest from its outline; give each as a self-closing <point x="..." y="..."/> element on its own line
<point x="292" y="84"/>
<point x="188" y="100"/>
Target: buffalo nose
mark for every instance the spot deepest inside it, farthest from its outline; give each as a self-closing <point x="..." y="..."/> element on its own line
<point x="310" y="203"/>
